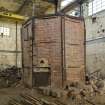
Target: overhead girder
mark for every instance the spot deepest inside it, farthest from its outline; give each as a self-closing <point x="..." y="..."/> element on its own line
<point x="12" y="16"/>
<point x="25" y="2"/>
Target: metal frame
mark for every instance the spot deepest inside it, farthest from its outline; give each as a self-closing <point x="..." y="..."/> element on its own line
<point x="22" y="6"/>
<point x="33" y="38"/>
<point x="22" y="55"/>
<point x="63" y="57"/>
<point x="84" y="48"/>
<point x="52" y="16"/>
<point x="16" y="43"/>
<point x="12" y="16"/>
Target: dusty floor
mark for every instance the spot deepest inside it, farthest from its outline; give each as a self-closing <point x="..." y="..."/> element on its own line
<point x="8" y="93"/>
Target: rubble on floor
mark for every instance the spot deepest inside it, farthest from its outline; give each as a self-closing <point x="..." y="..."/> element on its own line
<point x="92" y="92"/>
<point x="28" y="99"/>
<point x="76" y="93"/>
<point x="10" y="76"/>
<point x="72" y="94"/>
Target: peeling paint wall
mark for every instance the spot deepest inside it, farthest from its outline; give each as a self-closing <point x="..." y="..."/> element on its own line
<point x="8" y="45"/>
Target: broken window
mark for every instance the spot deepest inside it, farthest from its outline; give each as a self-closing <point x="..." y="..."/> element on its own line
<point x="4" y="31"/>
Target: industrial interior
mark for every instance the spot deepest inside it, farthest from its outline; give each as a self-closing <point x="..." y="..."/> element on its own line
<point x="52" y="52"/>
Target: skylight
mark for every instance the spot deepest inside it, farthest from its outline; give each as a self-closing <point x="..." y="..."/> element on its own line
<point x="65" y="3"/>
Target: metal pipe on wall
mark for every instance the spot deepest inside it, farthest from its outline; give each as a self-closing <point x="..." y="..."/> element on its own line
<point x="16" y="43"/>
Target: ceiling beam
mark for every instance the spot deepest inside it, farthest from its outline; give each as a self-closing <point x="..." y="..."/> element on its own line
<point x="51" y="1"/>
<point x="25" y="2"/>
<point x="12" y="16"/>
<point x="55" y="2"/>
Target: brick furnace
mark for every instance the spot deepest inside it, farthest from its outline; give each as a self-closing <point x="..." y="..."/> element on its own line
<point x="53" y="51"/>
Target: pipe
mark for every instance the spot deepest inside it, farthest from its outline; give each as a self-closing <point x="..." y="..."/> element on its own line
<point x="16" y="44"/>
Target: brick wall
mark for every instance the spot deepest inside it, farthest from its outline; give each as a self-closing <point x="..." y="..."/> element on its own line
<point x="61" y="45"/>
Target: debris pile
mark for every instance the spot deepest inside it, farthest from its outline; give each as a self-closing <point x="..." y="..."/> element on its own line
<point x="80" y="93"/>
<point x="9" y="76"/>
<point x="92" y="92"/>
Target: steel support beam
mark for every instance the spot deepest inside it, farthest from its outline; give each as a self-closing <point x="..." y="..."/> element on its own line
<point x="55" y="2"/>
<point x="51" y="1"/>
<point x="10" y="51"/>
<point x="25" y="2"/>
<point x="12" y="16"/>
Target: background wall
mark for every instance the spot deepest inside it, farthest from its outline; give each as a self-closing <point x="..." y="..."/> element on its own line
<point x="10" y="52"/>
<point x="95" y="40"/>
